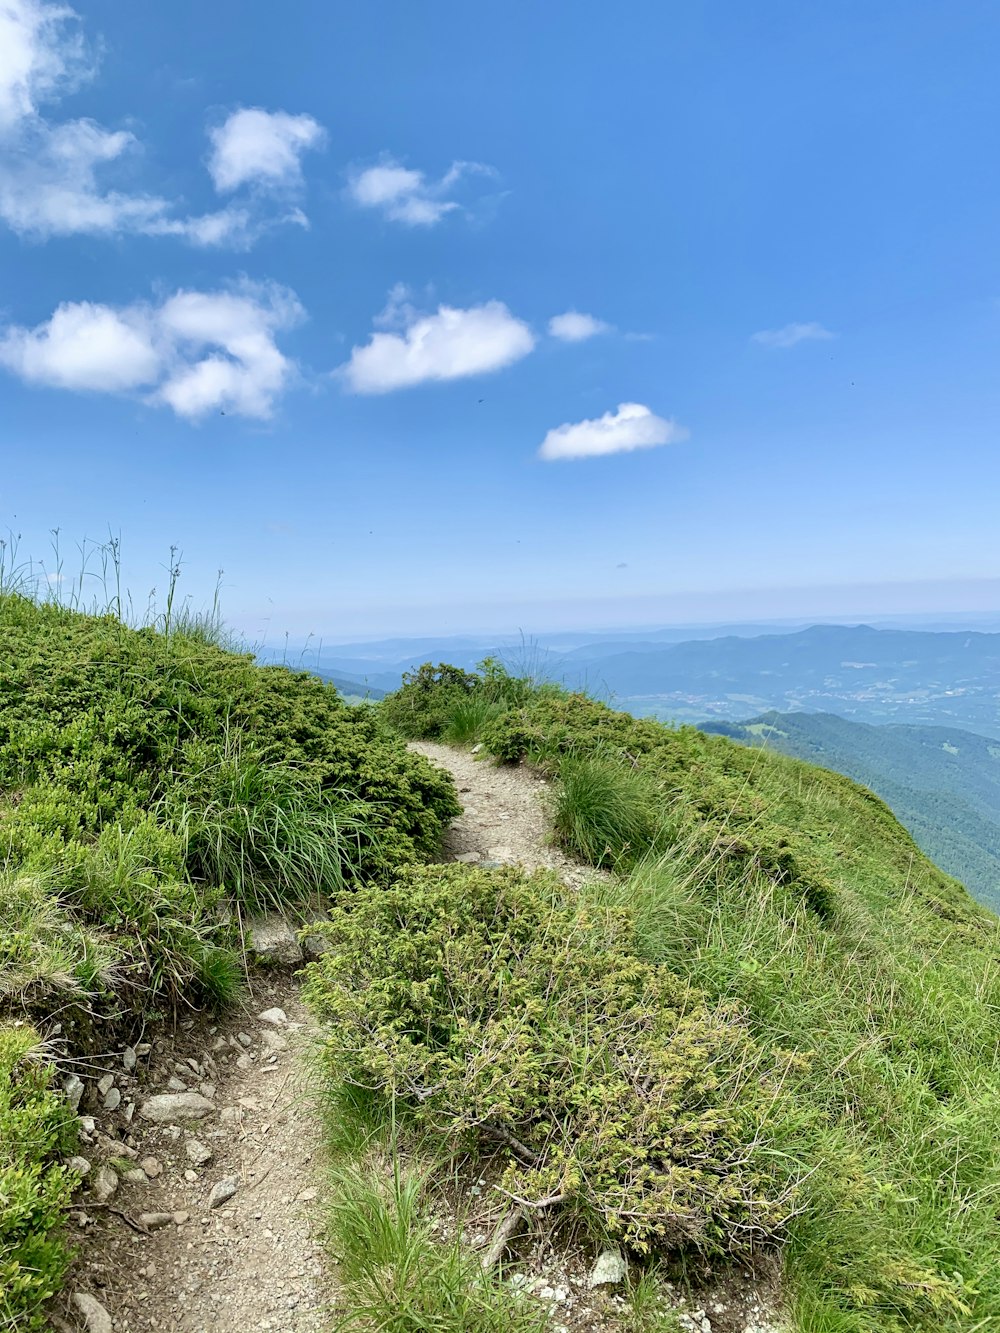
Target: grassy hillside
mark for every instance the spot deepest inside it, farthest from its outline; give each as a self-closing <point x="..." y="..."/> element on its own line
<point x="865" y="981"/>
<point x="154" y="790"/>
<point x="942" y="783"/>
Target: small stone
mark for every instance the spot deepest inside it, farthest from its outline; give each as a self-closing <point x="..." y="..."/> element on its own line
<point x="609" y="1270"/>
<point x="180" y="1218"/>
<point x="142" y="1048"/>
<point x="274" y="1041"/>
<point x="244" y="1039"/>
<point x="152" y="1166"/>
<point x="155" y="1221"/>
<point x="136" y="1177"/>
<point x="95" y="1317"/>
<point x="175" y="1084"/>
<point x="223" y="1192"/>
<point x="277" y="1018"/>
<point x="168" y="1106"/>
<point x="207" y="1090"/>
<point x="105" y="1183"/>
<point x="112" y="1099"/>
<point x="197" y="1152"/>
<point x="469" y="858"/>
<point x="73" y="1088"/>
<point x="128" y="1059"/>
<point x="87" y="1125"/>
<point x="307" y="1196"/>
<point x="477" y="748"/>
<point x="79" y="1165"/>
<point x="105" y="1084"/>
<point x="190" y="1176"/>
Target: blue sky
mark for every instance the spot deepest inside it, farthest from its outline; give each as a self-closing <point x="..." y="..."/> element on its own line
<point x="282" y="286"/>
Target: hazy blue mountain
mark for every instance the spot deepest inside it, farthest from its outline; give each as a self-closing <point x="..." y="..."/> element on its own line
<point x="942" y="783"/>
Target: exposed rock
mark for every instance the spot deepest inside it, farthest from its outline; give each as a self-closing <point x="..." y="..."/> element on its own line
<point x="197" y="1152"/>
<point x="96" y="1319"/>
<point x="277" y="1018"/>
<point x="80" y="1165"/>
<point x="73" y="1088"/>
<point x="136" y="1177"/>
<point x="169" y="1106"/>
<point x="176" y="1084"/>
<point x="244" y="1062"/>
<point x="105" y="1183"/>
<point x="207" y="1090"/>
<point x="274" y="1041"/>
<point x="244" y="1039"/>
<point x="112" y="1099"/>
<point x="155" y="1221"/>
<point x="609" y="1270"/>
<point x="223" y="1192"/>
<point x="469" y="858"/>
<point x="128" y="1059"/>
<point x="272" y="938"/>
<point x="152" y="1167"/>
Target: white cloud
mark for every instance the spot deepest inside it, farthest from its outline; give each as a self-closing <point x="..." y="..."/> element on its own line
<point x="447" y="345"/>
<point x="405" y="195"/>
<point x="574" y="327"/>
<point x="54" y="175"/>
<point x="261" y="148"/>
<point x="38" y="56"/>
<point x="196" y="352"/>
<point x="632" y="426"/>
<point x="792" y="334"/>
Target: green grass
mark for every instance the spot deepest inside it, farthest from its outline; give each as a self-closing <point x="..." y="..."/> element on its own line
<point x="605" y="810"/>
<point x="468" y="717"/>
<point x="866" y="977"/>
<point x="155" y="787"/>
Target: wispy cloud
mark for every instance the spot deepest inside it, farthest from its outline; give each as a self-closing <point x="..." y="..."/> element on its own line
<point x="632" y="426"/>
<point x="447" y="345"/>
<point x="792" y="334"/>
<point x="262" y="149"/>
<point x="55" y="176"/>
<point x="403" y="194"/>
<point x="574" y="327"/>
<point x="196" y="352"/>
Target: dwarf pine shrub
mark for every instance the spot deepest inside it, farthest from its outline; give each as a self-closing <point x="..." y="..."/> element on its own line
<point x="510" y="1020"/>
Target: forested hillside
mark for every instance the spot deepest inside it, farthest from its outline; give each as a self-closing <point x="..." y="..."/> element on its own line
<point x="942" y="783"/>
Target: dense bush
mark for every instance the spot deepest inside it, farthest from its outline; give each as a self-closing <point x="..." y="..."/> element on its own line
<point x="500" y="1013"/>
<point x="153" y="786"/>
<point x="34" y="1127"/>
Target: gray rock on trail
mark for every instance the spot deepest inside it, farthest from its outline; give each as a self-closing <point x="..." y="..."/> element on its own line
<point x="112" y="1099"/>
<point x="197" y="1152"/>
<point x="167" y="1107"/>
<point x="277" y="1018"/>
<point x="155" y="1221"/>
<point x="128" y="1058"/>
<point x="223" y="1192"/>
<point x="73" y="1088"/>
<point x="272" y="938"/>
<point x="609" y="1270"/>
<point x="79" y="1165"/>
<point x="105" y="1184"/>
<point x="96" y="1319"/>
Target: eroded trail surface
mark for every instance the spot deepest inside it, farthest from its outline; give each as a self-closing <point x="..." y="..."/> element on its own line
<point x="210" y="1224"/>
<point x="505" y="815"/>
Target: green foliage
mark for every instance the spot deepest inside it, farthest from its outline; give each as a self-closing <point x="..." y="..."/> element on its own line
<point x="606" y="811"/>
<point x="500" y="1014"/>
<point x="423" y="706"/>
<point x="34" y="1189"/>
<point x="867" y="976"/>
<point x="152" y="786"/>
<point x="395" y="1278"/>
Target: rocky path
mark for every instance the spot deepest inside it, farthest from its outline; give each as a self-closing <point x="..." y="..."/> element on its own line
<point x="505" y="814"/>
<point x="200" y="1205"/>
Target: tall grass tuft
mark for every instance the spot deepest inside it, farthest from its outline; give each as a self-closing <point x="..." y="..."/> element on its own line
<point x="468" y="717"/>
<point x="606" y="812"/>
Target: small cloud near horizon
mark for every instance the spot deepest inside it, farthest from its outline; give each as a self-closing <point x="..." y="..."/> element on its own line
<point x="632" y="426"/>
<point x="575" y="327"/>
<point x="790" y="335"/>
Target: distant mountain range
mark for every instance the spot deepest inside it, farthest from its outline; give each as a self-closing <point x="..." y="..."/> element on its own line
<point x="942" y="783"/>
<point x="948" y="678"/>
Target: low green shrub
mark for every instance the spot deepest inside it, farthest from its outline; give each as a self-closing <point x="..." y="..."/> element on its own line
<point x="423" y="706"/>
<point x="507" y="1018"/>
<point x="35" y="1128"/>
